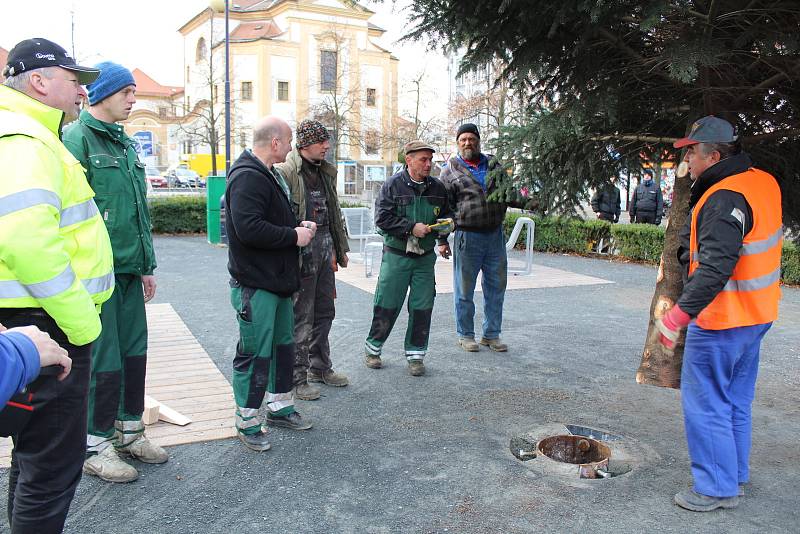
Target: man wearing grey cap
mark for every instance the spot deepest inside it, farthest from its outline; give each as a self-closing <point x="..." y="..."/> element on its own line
<point x="408" y="206"/>
<point x="116" y="394"/>
<point x="312" y="184"/>
<point x="56" y="269"/>
<point x="731" y="250"/>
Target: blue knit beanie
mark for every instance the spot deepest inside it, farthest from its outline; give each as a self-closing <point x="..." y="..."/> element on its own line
<point x="113" y="77"/>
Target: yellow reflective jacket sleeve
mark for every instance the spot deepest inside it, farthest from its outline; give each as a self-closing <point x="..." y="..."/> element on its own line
<point x="42" y="209"/>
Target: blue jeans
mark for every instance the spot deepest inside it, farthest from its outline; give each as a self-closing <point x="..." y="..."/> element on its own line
<point x="718" y="381"/>
<point x="485" y="252"/>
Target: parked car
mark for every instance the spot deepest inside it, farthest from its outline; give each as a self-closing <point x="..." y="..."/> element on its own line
<point x="152" y="175"/>
<point x="185" y="178"/>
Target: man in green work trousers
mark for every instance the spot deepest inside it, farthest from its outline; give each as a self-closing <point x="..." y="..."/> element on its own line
<point x="119" y="356"/>
<point x="408" y="204"/>
<point x="264" y="240"/>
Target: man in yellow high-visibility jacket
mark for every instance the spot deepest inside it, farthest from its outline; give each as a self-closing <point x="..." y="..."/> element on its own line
<point x="56" y="269"/>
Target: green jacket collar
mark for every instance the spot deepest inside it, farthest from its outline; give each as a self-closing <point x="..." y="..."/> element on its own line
<point x="113" y="131"/>
<point x="17" y="102"/>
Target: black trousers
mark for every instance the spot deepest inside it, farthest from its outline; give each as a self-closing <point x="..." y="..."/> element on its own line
<point x="48" y="454"/>
<point x="646" y="217"/>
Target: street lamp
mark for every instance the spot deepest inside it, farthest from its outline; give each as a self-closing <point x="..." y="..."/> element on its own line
<point x="220" y="6"/>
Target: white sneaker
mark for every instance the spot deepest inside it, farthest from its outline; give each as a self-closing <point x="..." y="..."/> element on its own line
<point x="109" y="467"/>
<point x="145" y="451"/>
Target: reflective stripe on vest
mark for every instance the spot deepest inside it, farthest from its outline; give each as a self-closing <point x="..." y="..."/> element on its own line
<point x="78" y="213"/>
<point x="27" y="199"/>
<point x="757" y="247"/>
<point x="35" y="197"/>
<point x="11" y="289"/>
<point x="751" y="294"/>
<point x="99" y="284"/>
<point x="754" y="284"/>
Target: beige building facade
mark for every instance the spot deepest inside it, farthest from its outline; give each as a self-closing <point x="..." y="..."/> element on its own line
<point x="300" y="59"/>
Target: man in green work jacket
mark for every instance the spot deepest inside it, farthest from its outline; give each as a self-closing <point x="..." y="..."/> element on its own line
<point x="116" y="395"/>
<point x="409" y="203"/>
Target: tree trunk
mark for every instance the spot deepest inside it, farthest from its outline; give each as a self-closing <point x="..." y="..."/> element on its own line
<point x="659" y="366"/>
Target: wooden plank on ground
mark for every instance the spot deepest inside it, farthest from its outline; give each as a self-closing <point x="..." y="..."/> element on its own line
<point x="182" y="376"/>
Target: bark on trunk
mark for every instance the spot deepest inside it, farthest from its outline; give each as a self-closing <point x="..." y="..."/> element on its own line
<point x="659" y="366"/>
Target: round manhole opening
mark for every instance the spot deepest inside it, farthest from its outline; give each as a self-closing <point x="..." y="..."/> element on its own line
<point x="590" y="455"/>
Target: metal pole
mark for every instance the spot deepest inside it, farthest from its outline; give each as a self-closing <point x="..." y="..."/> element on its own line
<point x="227" y="95"/>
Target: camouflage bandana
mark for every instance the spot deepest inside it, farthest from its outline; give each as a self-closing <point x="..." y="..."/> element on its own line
<point x="310" y="132"/>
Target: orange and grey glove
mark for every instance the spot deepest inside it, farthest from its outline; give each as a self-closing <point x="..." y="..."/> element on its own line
<point x="670" y="326"/>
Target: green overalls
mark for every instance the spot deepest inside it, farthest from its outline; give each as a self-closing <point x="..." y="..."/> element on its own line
<point x="401" y="204"/>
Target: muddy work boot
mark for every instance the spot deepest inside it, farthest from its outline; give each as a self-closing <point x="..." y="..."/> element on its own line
<point x="108" y="466"/>
<point x="494" y="344"/>
<point x="145" y="451"/>
<point x="696" y="502"/>
<point x="255" y="442"/>
<point x="329" y="377"/>
<point x="468" y="344"/>
<point x="373" y="361"/>
<point x="293" y="421"/>
<point x="416" y="367"/>
<point x="305" y="391"/>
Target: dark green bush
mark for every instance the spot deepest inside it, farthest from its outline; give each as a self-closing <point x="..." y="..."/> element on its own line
<point x="790" y="264"/>
<point x="178" y="214"/>
<point x="351" y="204"/>
<point x="642" y="242"/>
<point x="560" y="234"/>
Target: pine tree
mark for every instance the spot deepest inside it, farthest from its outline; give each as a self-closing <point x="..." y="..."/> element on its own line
<point x="612" y="83"/>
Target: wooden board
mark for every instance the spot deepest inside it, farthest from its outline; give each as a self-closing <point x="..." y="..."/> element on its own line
<point x="182" y="376"/>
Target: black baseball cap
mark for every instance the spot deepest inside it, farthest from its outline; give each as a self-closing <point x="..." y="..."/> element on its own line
<point x="38" y="53"/>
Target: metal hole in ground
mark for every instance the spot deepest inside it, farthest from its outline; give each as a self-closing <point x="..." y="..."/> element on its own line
<point x="587" y="432"/>
<point x="590" y="455"/>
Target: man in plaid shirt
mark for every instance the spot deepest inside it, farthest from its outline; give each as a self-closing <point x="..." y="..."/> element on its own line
<point x="479" y="241"/>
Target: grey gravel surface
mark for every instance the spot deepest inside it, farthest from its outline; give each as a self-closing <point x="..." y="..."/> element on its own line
<point x="393" y="453"/>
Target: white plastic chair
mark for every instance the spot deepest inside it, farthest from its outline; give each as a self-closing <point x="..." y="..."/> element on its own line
<point x="360" y="226"/>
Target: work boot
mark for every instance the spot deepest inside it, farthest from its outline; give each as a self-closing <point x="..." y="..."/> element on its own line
<point x="305" y="391"/>
<point x="416" y="367"/>
<point x="108" y="466"/>
<point x="373" y="361"/>
<point x="696" y="502"/>
<point x="145" y="451"/>
<point x="329" y="378"/>
<point x="494" y="344"/>
<point x="468" y="344"/>
<point x="293" y="421"/>
<point x="255" y="442"/>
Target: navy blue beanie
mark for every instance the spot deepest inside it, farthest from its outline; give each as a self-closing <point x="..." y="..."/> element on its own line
<point x="113" y="77"/>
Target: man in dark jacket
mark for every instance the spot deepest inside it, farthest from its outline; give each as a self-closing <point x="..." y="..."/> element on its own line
<point x="606" y="202"/>
<point x="264" y="237"/>
<point x="647" y="204"/>
<point x="409" y="203"/>
<point x="312" y="184"/>
<point x="731" y="250"/>
<point x="119" y="356"/>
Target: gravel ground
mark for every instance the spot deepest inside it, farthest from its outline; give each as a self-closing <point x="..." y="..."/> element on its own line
<point x="392" y="453"/>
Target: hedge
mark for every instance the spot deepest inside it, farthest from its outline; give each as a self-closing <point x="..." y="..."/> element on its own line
<point x="178" y="214"/>
<point x="639" y="242"/>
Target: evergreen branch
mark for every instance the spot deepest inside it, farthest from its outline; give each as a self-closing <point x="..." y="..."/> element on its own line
<point x="633" y="137"/>
<point x="779" y="134"/>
